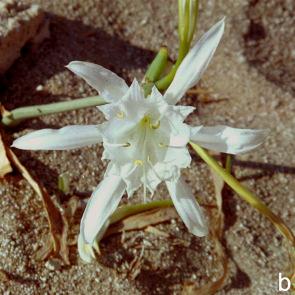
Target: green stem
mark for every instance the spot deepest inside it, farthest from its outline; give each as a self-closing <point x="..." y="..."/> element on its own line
<point x="155" y="70"/>
<point x="17" y="115"/>
<point x="193" y="23"/>
<point x="157" y="66"/>
<point x="164" y="83"/>
<point x="127" y="210"/>
<point x="186" y="27"/>
<point x="245" y="194"/>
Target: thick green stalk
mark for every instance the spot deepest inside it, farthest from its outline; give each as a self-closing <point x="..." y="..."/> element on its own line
<point x="164" y="83"/>
<point x="155" y="70"/>
<point x="187" y="20"/>
<point x="157" y="66"/>
<point x="17" y="115"/>
<point x="194" y="12"/>
<point x="127" y="210"/>
<point x="245" y="194"/>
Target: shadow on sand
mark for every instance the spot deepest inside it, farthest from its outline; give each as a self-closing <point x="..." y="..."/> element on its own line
<point x="70" y="40"/>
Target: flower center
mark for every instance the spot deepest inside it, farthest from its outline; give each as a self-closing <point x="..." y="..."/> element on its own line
<point x="143" y="141"/>
<point x="146" y="121"/>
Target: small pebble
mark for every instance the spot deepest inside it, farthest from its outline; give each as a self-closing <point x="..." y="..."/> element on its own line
<point x="53" y="264"/>
<point x="39" y="88"/>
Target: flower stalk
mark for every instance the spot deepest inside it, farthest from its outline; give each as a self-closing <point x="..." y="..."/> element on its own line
<point x="155" y="70"/>
<point x="245" y="194"/>
<point x="17" y="115"/>
<point x="253" y="200"/>
<point x="187" y="19"/>
<point x="128" y="210"/>
<point x="157" y="66"/>
<point x="164" y="83"/>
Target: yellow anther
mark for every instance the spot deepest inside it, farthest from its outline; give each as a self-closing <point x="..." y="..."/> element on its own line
<point x="162" y="145"/>
<point x="121" y="115"/>
<point x="155" y="126"/>
<point x="145" y="120"/>
<point x="138" y="162"/>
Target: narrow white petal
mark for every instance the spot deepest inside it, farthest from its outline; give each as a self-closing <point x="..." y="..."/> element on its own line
<point x="178" y="131"/>
<point x="110" y="86"/>
<point x="69" y="137"/>
<point x="103" y="202"/>
<point x="129" y="172"/>
<point x="183" y="111"/>
<point x="187" y="207"/>
<point x="227" y="139"/>
<point x="131" y="106"/>
<point x="195" y="63"/>
<point x="109" y="110"/>
<point x="131" y="101"/>
<point x="85" y="250"/>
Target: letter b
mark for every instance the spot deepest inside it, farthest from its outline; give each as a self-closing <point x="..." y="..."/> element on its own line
<point x="281" y="280"/>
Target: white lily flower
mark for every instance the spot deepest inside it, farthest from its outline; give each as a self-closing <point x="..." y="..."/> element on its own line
<point x="145" y="140"/>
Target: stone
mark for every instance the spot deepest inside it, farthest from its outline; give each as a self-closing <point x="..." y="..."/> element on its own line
<point x="19" y="24"/>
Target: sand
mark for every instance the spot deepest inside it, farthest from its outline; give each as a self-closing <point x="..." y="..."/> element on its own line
<point x="250" y="84"/>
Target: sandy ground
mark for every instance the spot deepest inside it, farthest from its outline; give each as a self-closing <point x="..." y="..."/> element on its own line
<point x="251" y="82"/>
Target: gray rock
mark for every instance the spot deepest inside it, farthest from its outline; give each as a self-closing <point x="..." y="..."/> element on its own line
<point x="19" y="24"/>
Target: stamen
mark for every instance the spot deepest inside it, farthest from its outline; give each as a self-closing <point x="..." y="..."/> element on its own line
<point x="121" y="115"/>
<point x="163" y="145"/>
<point x="127" y="144"/>
<point x="155" y="126"/>
<point x="138" y="162"/>
<point x="145" y="120"/>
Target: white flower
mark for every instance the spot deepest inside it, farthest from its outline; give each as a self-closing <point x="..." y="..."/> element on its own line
<point x="145" y="140"/>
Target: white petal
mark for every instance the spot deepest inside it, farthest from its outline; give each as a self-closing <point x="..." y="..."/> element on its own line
<point x="85" y="250"/>
<point x="195" y="63"/>
<point x="178" y="131"/>
<point x="129" y="172"/>
<point x="116" y="130"/>
<point x="130" y="106"/>
<point x="187" y="207"/>
<point x="110" y="86"/>
<point x="103" y="202"/>
<point x="132" y="101"/>
<point x="168" y="169"/>
<point x="227" y="139"/>
<point x="182" y="111"/>
<point x="109" y="110"/>
<point x="69" y="137"/>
